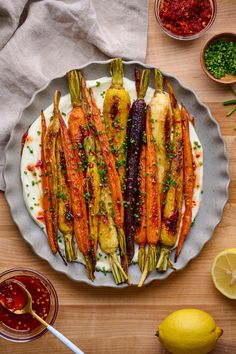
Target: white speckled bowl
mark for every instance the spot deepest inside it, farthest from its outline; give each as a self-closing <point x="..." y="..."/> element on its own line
<point x="215" y="182"/>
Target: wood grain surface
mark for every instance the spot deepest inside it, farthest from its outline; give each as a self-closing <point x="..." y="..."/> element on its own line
<point x="124" y="321"/>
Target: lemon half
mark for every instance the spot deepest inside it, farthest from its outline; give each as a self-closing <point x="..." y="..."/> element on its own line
<point x="224" y="272"/>
<point x="189" y="331"/>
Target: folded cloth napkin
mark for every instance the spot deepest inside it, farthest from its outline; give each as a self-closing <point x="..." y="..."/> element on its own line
<point x="40" y="40"/>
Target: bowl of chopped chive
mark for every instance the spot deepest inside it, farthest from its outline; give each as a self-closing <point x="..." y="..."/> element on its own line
<point x="218" y="58"/>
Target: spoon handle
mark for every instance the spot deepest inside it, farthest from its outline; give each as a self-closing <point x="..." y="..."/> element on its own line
<point x="59" y="335"/>
<point x="65" y="340"/>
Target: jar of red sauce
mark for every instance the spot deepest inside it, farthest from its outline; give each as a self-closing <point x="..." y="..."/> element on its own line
<point x="24" y="328"/>
<point x="185" y="19"/>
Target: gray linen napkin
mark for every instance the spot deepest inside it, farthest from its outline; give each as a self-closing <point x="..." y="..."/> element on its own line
<point x="40" y="40"/>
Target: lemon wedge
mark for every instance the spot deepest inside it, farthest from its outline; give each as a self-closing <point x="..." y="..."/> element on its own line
<point x="224" y="272"/>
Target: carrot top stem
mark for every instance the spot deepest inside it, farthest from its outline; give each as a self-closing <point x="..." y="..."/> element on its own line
<point x="144" y="275"/>
<point x="74" y="87"/>
<point x="116" y="70"/>
<point x="150" y="263"/>
<point x="122" y="242"/>
<point x="141" y="258"/>
<point x="144" y="83"/>
<point x="158" y="81"/>
<point x="137" y="75"/>
<point x="163" y="262"/>
<point x="118" y="272"/>
<point x="56" y="101"/>
<point x="89" y="267"/>
<point x="70" y="250"/>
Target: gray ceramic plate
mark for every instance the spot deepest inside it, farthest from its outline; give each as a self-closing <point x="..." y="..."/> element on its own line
<point x="215" y="183"/>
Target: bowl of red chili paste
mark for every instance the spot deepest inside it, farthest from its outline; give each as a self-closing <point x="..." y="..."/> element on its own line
<point x="185" y="19"/>
<point x="25" y="328"/>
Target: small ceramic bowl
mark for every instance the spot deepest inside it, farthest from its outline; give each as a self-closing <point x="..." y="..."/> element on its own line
<point x="157" y="6"/>
<point x="15" y="335"/>
<point x="229" y="37"/>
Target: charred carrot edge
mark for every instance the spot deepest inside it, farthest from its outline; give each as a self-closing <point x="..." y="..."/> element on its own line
<point x="52" y="235"/>
<point x="80" y="219"/>
<point x="188" y="181"/>
<point x="113" y="177"/>
<point x="141" y="232"/>
<point x="153" y="205"/>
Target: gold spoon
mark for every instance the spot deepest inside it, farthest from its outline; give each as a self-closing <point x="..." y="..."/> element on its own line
<point x="28" y="309"/>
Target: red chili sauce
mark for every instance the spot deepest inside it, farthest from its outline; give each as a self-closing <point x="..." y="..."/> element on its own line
<point x="14" y="298"/>
<point x="185" y="17"/>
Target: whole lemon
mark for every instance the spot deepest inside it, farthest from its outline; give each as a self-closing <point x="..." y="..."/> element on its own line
<point x="189" y="331"/>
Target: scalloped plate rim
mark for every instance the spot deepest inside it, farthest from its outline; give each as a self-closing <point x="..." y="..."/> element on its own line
<point x="213" y="225"/>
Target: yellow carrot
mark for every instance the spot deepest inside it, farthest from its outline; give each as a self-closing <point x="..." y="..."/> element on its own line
<point x="116" y="109"/>
<point x="172" y="212"/>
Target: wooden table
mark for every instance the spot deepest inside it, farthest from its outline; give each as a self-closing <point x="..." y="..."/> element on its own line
<point x="124" y="321"/>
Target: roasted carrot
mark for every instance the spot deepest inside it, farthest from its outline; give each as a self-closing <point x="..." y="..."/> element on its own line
<point x="134" y="142"/>
<point x="113" y="177"/>
<point x="76" y="185"/>
<point x="50" y="159"/>
<point x="153" y="205"/>
<point x="116" y="109"/>
<point x="110" y="182"/>
<point x="160" y="122"/>
<point x="51" y="232"/>
<point x="77" y="123"/>
<point x="188" y="181"/>
<point x="108" y="236"/>
<point x="140" y="235"/>
<point x="172" y="213"/>
<point x="65" y="217"/>
<point x="107" y="232"/>
<point x="93" y="189"/>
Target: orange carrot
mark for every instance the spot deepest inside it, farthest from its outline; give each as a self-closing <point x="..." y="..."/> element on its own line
<point x="113" y="177"/>
<point x="51" y="232"/>
<point x="153" y="205"/>
<point x="80" y="220"/>
<point x="188" y="181"/>
<point x="77" y="123"/>
<point x="117" y="199"/>
<point x="50" y="139"/>
<point x="141" y="232"/>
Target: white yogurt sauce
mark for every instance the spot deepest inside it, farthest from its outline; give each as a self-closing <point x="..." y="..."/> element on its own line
<point x="31" y="154"/>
